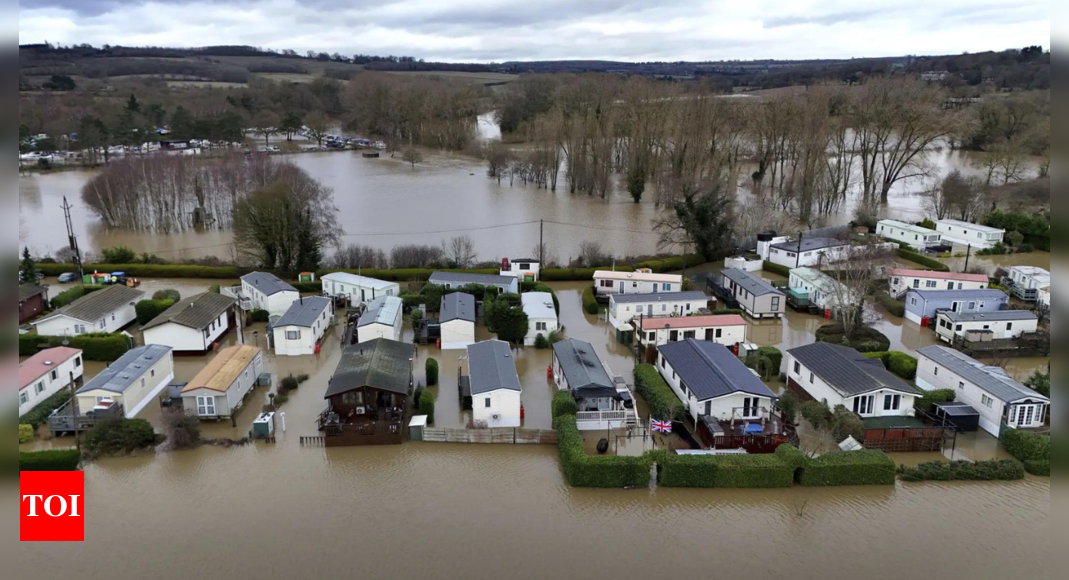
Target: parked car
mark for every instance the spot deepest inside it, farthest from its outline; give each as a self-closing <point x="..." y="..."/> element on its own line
<point x="68" y="278"/>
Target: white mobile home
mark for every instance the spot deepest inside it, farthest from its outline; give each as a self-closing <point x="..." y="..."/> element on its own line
<point x="301" y="328"/>
<point x="541" y="315"/>
<point x="192" y="325"/>
<point x="604" y="402"/>
<point x="967" y="234"/>
<point x="454" y="280"/>
<point x="984" y="326"/>
<point x="457" y="318"/>
<point x="823" y="291"/>
<point x="1026" y="282"/>
<point x="727" y="330"/>
<point x="46" y="373"/>
<point x="357" y="289"/>
<point x="624" y="308"/>
<point x="133" y="381"/>
<point x="712" y="382"/>
<point x="382" y="319"/>
<point x="108" y="310"/>
<point x="989" y="390"/>
<point x="527" y="270"/>
<point x="757" y="297"/>
<point x="219" y="389"/>
<point x="495" y="385"/>
<point x="263" y="291"/>
<point x="606" y="282"/>
<point x="837" y="375"/>
<point x="807" y="252"/>
<point x="901" y="280"/>
<point x="916" y="237"/>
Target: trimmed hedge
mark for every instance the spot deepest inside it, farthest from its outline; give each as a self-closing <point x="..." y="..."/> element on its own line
<point x="895" y="307"/>
<point x="582" y="470"/>
<point x="426" y="405"/>
<point x="56" y="460"/>
<point x="96" y="347"/>
<point x="1038" y="468"/>
<point x="923" y="260"/>
<point x="154" y="270"/>
<point x="1005" y="470"/>
<point x="660" y="398"/>
<point x="724" y="471"/>
<point x="64" y="298"/>
<point x="148" y="310"/>
<point x="39" y="415"/>
<point x="590" y="302"/>
<point x="260" y="316"/>
<point x="899" y="363"/>
<point x="869" y="339"/>
<point x="25" y="433"/>
<point x="866" y="467"/>
<point x="431" y="369"/>
<point x="116" y="436"/>
<point x="564" y="404"/>
<point x="1031" y="448"/>
<point x="776" y="269"/>
<point x="930" y="398"/>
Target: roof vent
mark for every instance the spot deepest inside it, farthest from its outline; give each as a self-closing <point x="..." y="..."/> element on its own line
<point x="48" y="363"/>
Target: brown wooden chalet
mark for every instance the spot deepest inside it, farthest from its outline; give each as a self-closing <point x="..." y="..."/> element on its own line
<point x="368" y="395"/>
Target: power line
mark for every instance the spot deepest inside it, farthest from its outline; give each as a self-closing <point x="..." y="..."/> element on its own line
<point x="601" y="228"/>
<point x="441" y="231"/>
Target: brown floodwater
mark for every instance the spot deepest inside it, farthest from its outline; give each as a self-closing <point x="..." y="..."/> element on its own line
<point x="481" y="511"/>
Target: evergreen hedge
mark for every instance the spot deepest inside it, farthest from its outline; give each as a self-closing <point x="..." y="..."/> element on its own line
<point x="260" y="316"/>
<point x="899" y="363"/>
<point x="662" y="401"/>
<point x="56" y="460"/>
<point x="564" y="404"/>
<point x="25" y="434"/>
<point x="431" y="369"/>
<point x="865" y="467"/>
<point x="1005" y="470"/>
<point x="895" y="307"/>
<point x="148" y="310"/>
<point x="95" y="347"/>
<point x="116" y="436"/>
<point x="426" y="405"/>
<point x="39" y="415"/>
<point x="590" y="302"/>
<point x="1033" y="449"/>
<point x="64" y="298"/>
<point x="582" y="470"/>
<point x="1038" y="468"/>
<point x="777" y="269"/>
<point x="930" y="398"/>
<point x="923" y="260"/>
<point x="724" y="471"/>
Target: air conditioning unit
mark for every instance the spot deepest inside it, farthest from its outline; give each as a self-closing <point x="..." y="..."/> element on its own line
<point x="497" y="417"/>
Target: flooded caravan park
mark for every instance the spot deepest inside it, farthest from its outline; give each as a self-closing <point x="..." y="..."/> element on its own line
<point x="480" y="511"/>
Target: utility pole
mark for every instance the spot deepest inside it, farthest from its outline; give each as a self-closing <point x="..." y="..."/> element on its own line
<point x="72" y="240"/>
<point x="798" y="257"/>
<point x="74" y="411"/>
<point x="968" y="255"/>
<point x="541" y="242"/>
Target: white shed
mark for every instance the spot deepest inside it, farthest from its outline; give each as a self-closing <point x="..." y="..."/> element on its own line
<point x="193" y="324"/>
<point x="527" y="270"/>
<point x="219" y="389"/>
<point x="108" y="310"/>
<point x="495" y="385"/>
<point x="357" y="289"/>
<point x="133" y="381"/>
<point x="382" y="319"/>
<point x="268" y="292"/>
<point x="302" y="327"/>
<point x="541" y="315"/>
<point x="457" y="320"/>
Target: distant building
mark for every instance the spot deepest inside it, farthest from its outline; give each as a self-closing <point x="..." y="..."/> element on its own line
<point x="1026" y="282"/>
<point x="454" y="280"/>
<point x="916" y="237"/>
<point x="382" y="319"/>
<point x="952" y="326"/>
<point x="108" y="310"/>
<point x="808" y="252"/>
<point x="33" y="300"/>
<point x="357" y="289"/>
<point x="264" y="291"/>
<point x="901" y="280"/>
<point x="527" y="270"/>
<point x="968" y="234"/>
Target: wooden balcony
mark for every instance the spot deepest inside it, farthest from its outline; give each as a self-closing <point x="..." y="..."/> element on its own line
<point x="377" y="428"/>
<point x="63" y="419"/>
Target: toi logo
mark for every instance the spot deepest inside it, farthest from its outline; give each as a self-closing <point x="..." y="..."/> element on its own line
<point x="53" y="506"/>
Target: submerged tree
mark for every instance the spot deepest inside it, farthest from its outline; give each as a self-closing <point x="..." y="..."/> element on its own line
<point x="701" y="219"/>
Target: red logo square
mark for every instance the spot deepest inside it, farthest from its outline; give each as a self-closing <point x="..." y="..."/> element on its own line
<point x="52" y="506"/>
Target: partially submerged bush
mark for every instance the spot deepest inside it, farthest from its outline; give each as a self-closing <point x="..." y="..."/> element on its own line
<point x="1005" y="470"/>
<point x="25" y="433"/>
<point x="116" y="436"/>
<point x="431" y="370"/>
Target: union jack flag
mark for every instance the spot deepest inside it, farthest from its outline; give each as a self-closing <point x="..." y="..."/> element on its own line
<point x="660" y="426"/>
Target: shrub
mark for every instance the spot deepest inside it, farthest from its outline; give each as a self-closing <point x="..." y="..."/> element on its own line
<point x="288" y="384"/>
<point x="899" y="363"/>
<point x="148" y="310"/>
<point x="417" y="317"/>
<point x="928" y="223"/>
<point x="541" y="342"/>
<point x="818" y="414"/>
<point x="426" y="405"/>
<point x="1005" y="470"/>
<point x="726" y="311"/>
<point x="1039" y="382"/>
<point x="774" y="356"/>
<point x="95" y="347"/>
<point x="1015" y="238"/>
<point x="791" y="456"/>
<point x="115" y="436"/>
<point x="564" y="404"/>
<point x="866" y="339"/>
<point x="1039" y="468"/>
<point x="168" y="294"/>
<point x="181" y="430"/>
<point x="215" y="289"/>
<point x="846" y="424"/>
<point x="930" y="398"/>
<point x="1025" y="445"/>
<point x="302" y="378"/>
<point x="582" y="470"/>
<point x="866" y="467"/>
<point x="895" y="307"/>
<point x="260" y="316"/>
<point x="56" y="460"/>
<point x="663" y="403"/>
<point x="567" y="274"/>
<point x="590" y="302"/>
<point x="724" y="471"/>
<point x="64" y="298"/>
<point x="777" y="269"/>
<point x="556" y="336"/>
<point x="431" y="369"/>
<point x="39" y="415"/>
<point x="119" y="255"/>
<point x="788" y="405"/>
<point x="25" y="433"/>
<point x="923" y="260"/>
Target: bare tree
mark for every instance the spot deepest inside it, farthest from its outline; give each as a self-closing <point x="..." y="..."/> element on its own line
<point x="591" y="255"/>
<point x="266" y="125"/>
<point x="548" y="257"/>
<point x="460" y="250"/>
<point x="317" y="124"/>
<point x="853" y="279"/>
<point x="415" y="256"/>
<point x="354" y="257"/>
<point x="412" y="155"/>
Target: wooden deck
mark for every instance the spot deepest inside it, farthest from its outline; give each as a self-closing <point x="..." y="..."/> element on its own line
<point x="382" y="429"/>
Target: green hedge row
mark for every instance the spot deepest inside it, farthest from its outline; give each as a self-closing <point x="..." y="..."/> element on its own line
<point x="39" y="415"/>
<point x="1033" y="449"/>
<point x="895" y="307"/>
<point x="148" y="310"/>
<point x="1038" y="468"/>
<point x="930" y="398"/>
<point x="865" y="467"/>
<point x="426" y="405"/>
<point x="590" y="302"/>
<point x="153" y="270"/>
<point x="25" y="433"/>
<point x="1005" y="470"/>
<point x="899" y="363"/>
<point x="723" y="471"/>
<point x="64" y="298"/>
<point x="777" y="269"/>
<point x="56" y="460"/>
<point x="431" y="370"/>
<point x="95" y="347"/>
<point x="564" y="404"/>
<point x="923" y="260"/>
<point x="582" y="470"/>
<point x="662" y="401"/>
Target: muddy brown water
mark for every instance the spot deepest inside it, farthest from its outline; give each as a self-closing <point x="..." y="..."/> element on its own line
<point x="481" y="511"/>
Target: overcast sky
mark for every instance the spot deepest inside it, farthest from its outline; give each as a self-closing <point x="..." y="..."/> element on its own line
<point x="503" y="30"/>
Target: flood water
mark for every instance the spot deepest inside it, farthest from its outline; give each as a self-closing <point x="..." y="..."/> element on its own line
<point x="479" y="511"/>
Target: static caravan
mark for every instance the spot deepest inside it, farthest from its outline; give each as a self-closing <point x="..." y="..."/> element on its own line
<point x="757" y="297"/>
<point x="808" y="252"/>
<point x="133" y="381"/>
<point x="916" y="237"/>
<point x="606" y="282"/>
<point x="604" y="401"/>
<point x="922" y="305"/>
<point x="382" y="319"/>
<point x="714" y="383"/>
<point x="457" y="318"/>
<point x="1026" y="282"/>
<point x="357" y="289"/>
<point x="263" y="291"/>
<point x="989" y="390"/>
<point x="454" y="280"/>
<point x="302" y="327"/>
<point x="952" y="326"/>
<point x="33" y="300"/>
<point x="495" y="385"/>
<point x="728" y="330"/>
<point x="192" y="325"/>
<point x="624" y="308"/>
<point x="541" y="315"/>
<point x="901" y="280"/>
<point x="219" y="389"/>
<point x="967" y="234"/>
<point x="838" y="375"/>
<point x="108" y="310"/>
<point x="46" y="373"/>
<point x="822" y="290"/>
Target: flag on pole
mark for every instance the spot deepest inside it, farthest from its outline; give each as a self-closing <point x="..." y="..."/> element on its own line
<point x="660" y="426"/>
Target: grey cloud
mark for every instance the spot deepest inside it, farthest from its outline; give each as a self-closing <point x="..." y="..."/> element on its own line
<point x="825" y="20"/>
